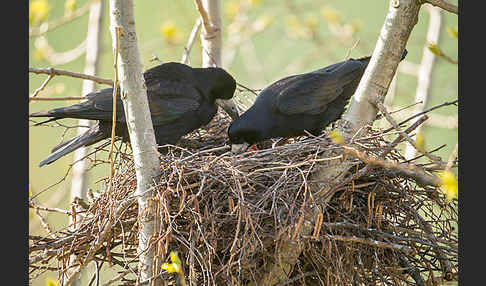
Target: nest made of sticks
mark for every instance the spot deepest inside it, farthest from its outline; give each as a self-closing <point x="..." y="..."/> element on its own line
<point x="231" y="218"/>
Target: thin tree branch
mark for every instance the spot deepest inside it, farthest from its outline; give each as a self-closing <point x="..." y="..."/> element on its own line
<point x="49" y="26"/>
<point x="53" y="71"/>
<point x="44" y="84"/>
<point x="444" y="5"/>
<point x="190" y="41"/>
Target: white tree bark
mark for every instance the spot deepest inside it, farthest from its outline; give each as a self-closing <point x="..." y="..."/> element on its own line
<point x="78" y="182"/>
<point x="425" y="70"/>
<point x="388" y="51"/>
<point x="211" y="34"/>
<point x="80" y="176"/>
<point x="142" y="139"/>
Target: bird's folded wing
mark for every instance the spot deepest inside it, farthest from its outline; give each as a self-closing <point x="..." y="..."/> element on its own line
<point x="170" y="100"/>
<point x="102" y="105"/>
<point x="312" y="92"/>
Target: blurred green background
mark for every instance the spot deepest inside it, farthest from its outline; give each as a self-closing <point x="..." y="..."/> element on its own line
<point x="262" y="41"/>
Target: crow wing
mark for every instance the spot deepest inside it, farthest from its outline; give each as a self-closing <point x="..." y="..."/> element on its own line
<point x="311" y="93"/>
<point x="168" y="101"/>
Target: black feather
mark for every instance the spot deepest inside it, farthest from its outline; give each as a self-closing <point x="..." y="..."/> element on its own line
<point x="181" y="99"/>
<point x="299" y="103"/>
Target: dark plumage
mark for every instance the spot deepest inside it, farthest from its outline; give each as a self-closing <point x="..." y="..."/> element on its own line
<point x="308" y="101"/>
<point x="181" y="99"/>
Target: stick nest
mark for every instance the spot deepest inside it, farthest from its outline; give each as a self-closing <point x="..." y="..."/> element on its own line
<point x="234" y="218"/>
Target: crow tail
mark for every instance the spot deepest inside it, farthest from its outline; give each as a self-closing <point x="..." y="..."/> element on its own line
<point x="93" y="135"/>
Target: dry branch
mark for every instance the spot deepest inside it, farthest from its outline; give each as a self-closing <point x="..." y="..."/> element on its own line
<point x="53" y="71"/>
<point x="444" y="4"/>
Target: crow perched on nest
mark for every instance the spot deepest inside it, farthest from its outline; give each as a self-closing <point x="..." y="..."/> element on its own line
<point x="181" y="99"/>
<point x="308" y="101"/>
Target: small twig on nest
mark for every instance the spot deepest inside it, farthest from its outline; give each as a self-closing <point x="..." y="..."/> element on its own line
<point x="421" y="113"/>
<point x="452" y="157"/>
<point x="49" y="209"/>
<point x="408" y="170"/>
<point x="435" y="159"/>
<point x="328" y="193"/>
<point x="403" y="248"/>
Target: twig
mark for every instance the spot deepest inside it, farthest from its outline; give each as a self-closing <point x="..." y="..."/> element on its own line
<point x="190" y="41"/>
<point x="421" y="113"/>
<point x="204" y="16"/>
<point x="452" y="157"/>
<point x="49" y="209"/>
<point x="328" y="193"/>
<point x="56" y="98"/>
<point x="113" y="126"/>
<point x="103" y="235"/>
<point x="44" y="84"/>
<point x="351" y="49"/>
<point x="382" y="108"/>
<point x="44" y="223"/>
<point x="116" y="278"/>
<point x="407" y="170"/>
<point x="49" y="26"/>
<point x="403" y="248"/>
<point x="444" y="5"/>
<point x="298" y="164"/>
<point x="53" y="71"/>
<point x="59" y="58"/>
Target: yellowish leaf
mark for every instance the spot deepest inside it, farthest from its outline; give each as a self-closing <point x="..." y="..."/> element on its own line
<point x="69" y="6"/>
<point x="38" y="55"/>
<point x="336" y="137"/>
<point x="435" y="49"/>
<point x="254" y="3"/>
<point x="51" y="282"/>
<point x="169" y="31"/>
<point x="330" y="14"/>
<point x="232" y="9"/>
<point x="171" y="267"/>
<point x="30" y="191"/>
<point x="449" y="184"/>
<point x="174" y="257"/>
<point x="38" y="10"/>
<point x="420" y="141"/>
<point x="453" y="32"/>
<point x="311" y="22"/>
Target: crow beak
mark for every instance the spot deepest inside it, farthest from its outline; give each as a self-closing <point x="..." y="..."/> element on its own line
<point x="229" y="107"/>
<point x="239" y="148"/>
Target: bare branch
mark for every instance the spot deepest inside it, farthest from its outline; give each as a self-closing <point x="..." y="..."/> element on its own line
<point x="53" y="71"/>
<point x="59" y="58"/>
<point x="444" y="5"/>
<point x="44" y="84"/>
<point x="49" y="26"/>
<point x="190" y="41"/>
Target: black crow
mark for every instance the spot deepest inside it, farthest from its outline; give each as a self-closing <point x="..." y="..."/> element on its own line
<point x="308" y="101"/>
<point x="181" y="99"/>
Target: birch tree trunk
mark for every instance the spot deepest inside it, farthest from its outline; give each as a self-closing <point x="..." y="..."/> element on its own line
<point x="78" y="182"/>
<point x="425" y="70"/>
<point x="80" y="176"/>
<point x="399" y="22"/>
<point x="211" y="34"/>
<point x="133" y="93"/>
